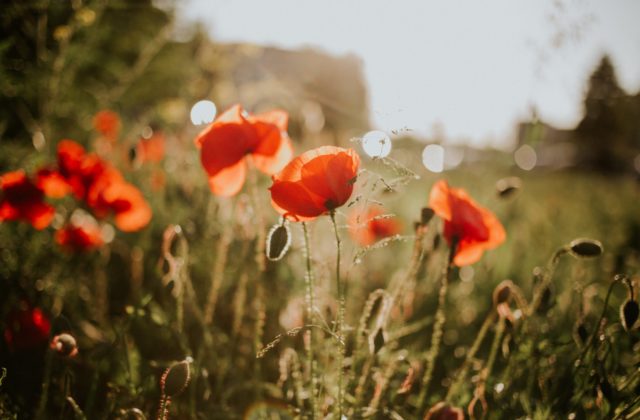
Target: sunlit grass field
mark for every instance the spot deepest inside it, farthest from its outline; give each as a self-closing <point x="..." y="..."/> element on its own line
<point x="194" y="285"/>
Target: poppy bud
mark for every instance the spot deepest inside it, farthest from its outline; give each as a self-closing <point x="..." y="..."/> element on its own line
<point x="175" y="379"/>
<point x="443" y="411"/>
<point x="506" y="187"/>
<point x="502" y="292"/>
<point x="580" y="333"/>
<point x="278" y="241"/>
<point x="376" y="341"/>
<point x="65" y="345"/>
<point x="426" y="214"/>
<point x="585" y="248"/>
<point x="629" y="312"/>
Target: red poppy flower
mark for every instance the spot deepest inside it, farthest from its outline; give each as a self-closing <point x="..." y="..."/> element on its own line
<point x="52" y="183"/>
<point x="26" y="328"/>
<point x="103" y="187"/>
<point x="107" y="123"/>
<point x="130" y="209"/>
<point x="367" y="227"/>
<point x="21" y="199"/>
<point x="151" y="149"/>
<point x="80" y="237"/>
<point x="314" y="183"/>
<point x="235" y="135"/>
<point x="443" y="411"/>
<point x="474" y="228"/>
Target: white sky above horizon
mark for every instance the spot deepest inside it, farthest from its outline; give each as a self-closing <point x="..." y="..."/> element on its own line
<point x="465" y="70"/>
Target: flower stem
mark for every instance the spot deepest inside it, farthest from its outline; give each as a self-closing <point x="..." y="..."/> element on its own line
<point x="436" y="335"/>
<point x="311" y="318"/>
<point x="341" y="312"/>
<point x="462" y="373"/>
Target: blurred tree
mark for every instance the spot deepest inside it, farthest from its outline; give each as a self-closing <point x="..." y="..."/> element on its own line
<point x="64" y="61"/>
<point x="609" y="134"/>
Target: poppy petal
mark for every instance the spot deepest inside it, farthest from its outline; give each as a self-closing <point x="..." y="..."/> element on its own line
<point x="52" y="183"/>
<point x="229" y="181"/>
<point x="439" y="199"/>
<point x="134" y="219"/>
<point x="296" y="199"/>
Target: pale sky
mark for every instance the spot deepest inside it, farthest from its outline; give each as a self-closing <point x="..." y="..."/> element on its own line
<point x="471" y="68"/>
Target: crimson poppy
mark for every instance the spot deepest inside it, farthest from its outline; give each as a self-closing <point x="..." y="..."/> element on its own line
<point x="233" y="136"/>
<point x="80" y="237"/>
<point x="26" y="328"/>
<point x="371" y="225"/>
<point x="22" y="199"/>
<point x="315" y="183"/>
<point x="473" y="228"/>
<point x="107" y="123"/>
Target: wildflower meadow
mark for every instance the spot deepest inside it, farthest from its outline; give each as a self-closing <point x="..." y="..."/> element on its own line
<point x="246" y="265"/>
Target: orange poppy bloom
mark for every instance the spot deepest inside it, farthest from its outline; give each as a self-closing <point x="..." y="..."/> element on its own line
<point x="82" y="237"/>
<point x="315" y="183"/>
<point x="474" y="228"/>
<point x="233" y="136"/>
<point x="102" y="187"/>
<point x="368" y="226"/>
<point x="22" y="199"/>
<point x="151" y="149"/>
<point x="107" y="123"/>
<point x="52" y="183"/>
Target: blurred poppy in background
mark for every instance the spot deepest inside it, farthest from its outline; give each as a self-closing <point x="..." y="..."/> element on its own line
<point x="26" y="328"/>
<point x="107" y="123"/>
<point x="80" y="237"/>
<point x="315" y="183"/>
<point x="22" y="199"/>
<point x="473" y="228"/>
<point x="102" y="187"/>
<point x="235" y="135"/>
<point x="52" y="183"/>
<point x="151" y="149"/>
<point x="372" y="224"/>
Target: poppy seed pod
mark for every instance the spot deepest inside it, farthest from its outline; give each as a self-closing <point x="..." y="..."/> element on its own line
<point x="629" y="312"/>
<point x="443" y="411"/>
<point x="65" y="345"/>
<point x="278" y="241"/>
<point x="585" y="248"/>
<point x="175" y="379"/>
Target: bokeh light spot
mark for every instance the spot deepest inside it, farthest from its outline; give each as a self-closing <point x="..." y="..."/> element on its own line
<point x="525" y="157"/>
<point x="376" y="144"/>
<point x="203" y="112"/>
<point x="433" y="158"/>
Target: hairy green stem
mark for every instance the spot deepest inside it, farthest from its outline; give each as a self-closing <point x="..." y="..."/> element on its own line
<point x="438" y="330"/>
<point x="308" y="278"/>
<point x="340" y="325"/>
<point x="464" y="369"/>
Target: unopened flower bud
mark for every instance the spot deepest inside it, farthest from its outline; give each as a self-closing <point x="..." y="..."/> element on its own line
<point x="175" y="379"/>
<point x="629" y="312"/>
<point x="585" y="248"/>
<point x="65" y="345"/>
<point x="502" y="292"/>
<point x="426" y="214"/>
<point x="506" y="187"/>
<point x="278" y="241"/>
<point x="443" y="411"/>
